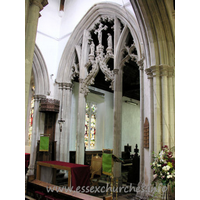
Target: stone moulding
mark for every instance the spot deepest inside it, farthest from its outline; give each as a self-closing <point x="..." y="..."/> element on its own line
<point x="41" y="76"/>
<point x="130" y="54"/>
<point x="98" y="63"/>
<point x="89" y="80"/>
<point x="101" y="11"/>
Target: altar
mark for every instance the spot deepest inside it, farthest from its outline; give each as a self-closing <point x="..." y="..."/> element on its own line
<point x="78" y="175"/>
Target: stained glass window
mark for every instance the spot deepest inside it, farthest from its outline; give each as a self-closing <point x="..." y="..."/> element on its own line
<point x="90" y="125"/>
<point x="31" y="121"/>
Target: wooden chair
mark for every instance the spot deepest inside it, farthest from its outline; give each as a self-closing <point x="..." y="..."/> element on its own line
<point x="95" y="169"/>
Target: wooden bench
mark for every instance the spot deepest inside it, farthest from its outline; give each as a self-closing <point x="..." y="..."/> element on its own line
<point x="74" y="194"/>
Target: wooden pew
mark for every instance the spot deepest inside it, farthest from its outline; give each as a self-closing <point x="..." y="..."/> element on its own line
<point x="73" y="194"/>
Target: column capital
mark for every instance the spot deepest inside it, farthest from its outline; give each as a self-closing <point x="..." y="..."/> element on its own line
<point x="149" y="73"/>
<point x="39" y="3"/>
<point x="160" y="70"/>
<point x="171" y="71"/>
<point x="166" y="70"/>
<point x="115" y="71"/>
<point x="38" y="97"/>
<point x="65" y="86"/>
<point x="155" y="69"/>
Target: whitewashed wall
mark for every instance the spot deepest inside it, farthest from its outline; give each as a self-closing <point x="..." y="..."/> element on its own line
<point x="55" y="29"/>
<point x="104" y="136"/>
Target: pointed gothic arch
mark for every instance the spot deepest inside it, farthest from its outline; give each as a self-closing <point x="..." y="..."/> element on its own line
<point x="41" y="76"/>
<point x="40" y="79"/>
<point x="92" y="16"/>
<point x="78" y="46"/>
<point x="154" y="41"/>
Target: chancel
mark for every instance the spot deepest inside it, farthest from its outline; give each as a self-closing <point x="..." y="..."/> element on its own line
<point x="99" y="77"/>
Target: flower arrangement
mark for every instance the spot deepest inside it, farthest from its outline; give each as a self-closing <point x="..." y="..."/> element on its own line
<point x="164" y="167"/>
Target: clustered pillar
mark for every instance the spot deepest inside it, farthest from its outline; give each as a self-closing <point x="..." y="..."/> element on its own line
<point x="35" y="133"/>
<point x="140" y="64"/>
<point x="163" y="105"/>
<point x="66" y="106"/>
<point x="32" y="9"/>
<point x="117" y="120"/>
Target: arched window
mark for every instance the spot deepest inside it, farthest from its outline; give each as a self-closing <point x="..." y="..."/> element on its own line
<point x="31" y="119"/>
<point x="90" y="125"/>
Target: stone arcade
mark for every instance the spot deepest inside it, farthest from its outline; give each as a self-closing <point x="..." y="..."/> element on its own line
<point x="107" y="53"/>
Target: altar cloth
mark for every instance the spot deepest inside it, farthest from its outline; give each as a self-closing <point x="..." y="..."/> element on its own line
<point x="27" y="159"/>
<point x="80" y="174"/>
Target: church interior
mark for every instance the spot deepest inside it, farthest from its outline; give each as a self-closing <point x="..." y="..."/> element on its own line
<point x="99" y="97"/>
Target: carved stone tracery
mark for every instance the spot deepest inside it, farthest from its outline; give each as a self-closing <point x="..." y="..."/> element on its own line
<point x="98" y="57"/>
<point x="130" y="54"/>
<point x="74" y="71"/>
<point x="100" y="60"/>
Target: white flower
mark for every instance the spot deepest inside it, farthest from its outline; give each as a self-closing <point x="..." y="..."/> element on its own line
<point x="161" y="153"/>
<point x="166" y="168"/>
<point x="169" y="176"/>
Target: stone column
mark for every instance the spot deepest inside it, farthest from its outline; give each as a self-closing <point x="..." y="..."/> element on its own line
<point x="66" y="115"/>
<point x="27" y="4"/>
<point x="141" y="67"/>
<point x="28" y="116"/>
<point x="165" y="108"/>
<point x="157" y="108"/>
<point x="35" y="134"/>
<point x="171" y="107"/>
<point x="80" y="145"/>
<point x="58" y="95"/>
<point x="118" y="75"/>
<point x="31" y="27"/>
<point x="151" y="121"/>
